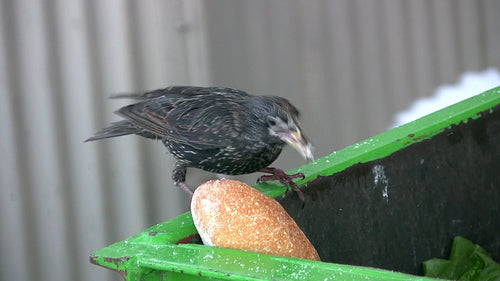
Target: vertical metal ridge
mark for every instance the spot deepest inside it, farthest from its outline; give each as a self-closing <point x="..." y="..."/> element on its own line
<point x="76" y="89"/>
<point x="444" y="37"/>
<point x="341" y="69"/>
<point x="98" y="115"/>
<point x="421" y="48"/>
<point x="144" y="174"/>
<point x="48" y="214"/>
<point x="27" y="225"/>
<point x="60" y="141"/>
<point x="491" y="25"/>
<point x="370" y="66"/>
<point x="20" y="242"/>
<point x="357" y="120"/>
<point x="470" y="34"/>
<point x="396" y="36"/>
<point x="135" y="26"/>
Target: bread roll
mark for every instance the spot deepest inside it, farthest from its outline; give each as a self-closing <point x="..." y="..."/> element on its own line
<point x="231" y="214"/>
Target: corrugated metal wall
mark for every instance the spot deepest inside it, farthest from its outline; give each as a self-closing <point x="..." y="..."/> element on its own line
<point x="349" y="65"/>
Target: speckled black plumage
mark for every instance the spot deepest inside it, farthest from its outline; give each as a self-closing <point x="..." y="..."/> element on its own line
<point x="221" y="130"/>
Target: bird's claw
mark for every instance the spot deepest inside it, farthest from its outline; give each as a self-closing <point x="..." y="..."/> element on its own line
<point x="280" y="177"/>
<point x="285" y="179"/>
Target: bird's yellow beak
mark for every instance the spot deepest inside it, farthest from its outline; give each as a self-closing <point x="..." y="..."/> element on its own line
<point x="298" y="141"/>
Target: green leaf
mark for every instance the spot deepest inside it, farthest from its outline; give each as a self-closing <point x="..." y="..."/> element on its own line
<point x="468" y="262"/>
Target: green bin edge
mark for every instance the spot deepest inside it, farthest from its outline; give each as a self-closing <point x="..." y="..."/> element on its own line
<point x="156" y="255"/>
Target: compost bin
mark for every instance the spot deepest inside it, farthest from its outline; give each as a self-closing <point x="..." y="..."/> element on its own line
<point x="387" y="203"/>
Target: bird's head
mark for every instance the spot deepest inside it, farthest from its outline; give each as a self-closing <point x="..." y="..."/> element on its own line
<point x="282" y="122"/>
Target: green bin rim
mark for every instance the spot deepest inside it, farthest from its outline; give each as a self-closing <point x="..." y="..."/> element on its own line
<point x="393" y="140"/>
<point x="157" y="249"/>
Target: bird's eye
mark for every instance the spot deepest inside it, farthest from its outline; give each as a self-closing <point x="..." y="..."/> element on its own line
<point x="271" y="121"/>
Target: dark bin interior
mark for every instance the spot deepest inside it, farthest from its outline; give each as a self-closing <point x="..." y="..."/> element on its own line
<point x="400" y="210"/>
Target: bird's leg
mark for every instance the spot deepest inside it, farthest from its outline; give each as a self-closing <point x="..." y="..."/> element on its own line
<point x="182" y="185"/>
<point x="285" y="179"/>
<point x="179" y="177"/>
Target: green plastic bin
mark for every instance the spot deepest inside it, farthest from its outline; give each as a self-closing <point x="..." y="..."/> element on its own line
<point x="387" y="203"/>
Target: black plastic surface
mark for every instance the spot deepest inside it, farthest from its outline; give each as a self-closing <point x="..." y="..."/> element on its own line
<point x="399" y="211"/>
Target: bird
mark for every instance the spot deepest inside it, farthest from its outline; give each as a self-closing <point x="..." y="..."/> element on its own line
<point x="217" y="129"/>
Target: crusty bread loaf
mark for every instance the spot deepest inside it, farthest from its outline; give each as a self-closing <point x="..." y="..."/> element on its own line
<point x="231" y="214"/>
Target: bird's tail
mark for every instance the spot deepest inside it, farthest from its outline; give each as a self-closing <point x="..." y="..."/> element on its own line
<point x="116" y="129"/>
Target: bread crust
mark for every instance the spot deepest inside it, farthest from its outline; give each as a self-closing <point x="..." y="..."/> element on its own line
<point x="232" y="214"/>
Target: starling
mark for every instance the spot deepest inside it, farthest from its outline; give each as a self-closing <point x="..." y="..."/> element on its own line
<point x="216" y="129"/>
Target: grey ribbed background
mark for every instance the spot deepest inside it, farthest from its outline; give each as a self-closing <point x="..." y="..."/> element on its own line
<point x="348" y="65"/>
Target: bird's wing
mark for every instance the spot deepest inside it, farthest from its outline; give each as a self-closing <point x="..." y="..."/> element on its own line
<point x="201" y="120"/>
<point x="175" y="92"/>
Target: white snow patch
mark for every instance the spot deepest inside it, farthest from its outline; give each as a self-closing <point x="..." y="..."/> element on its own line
<point x="470" y="84"/>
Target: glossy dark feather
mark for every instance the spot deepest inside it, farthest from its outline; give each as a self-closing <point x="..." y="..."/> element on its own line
<point x="216" y="129"/>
